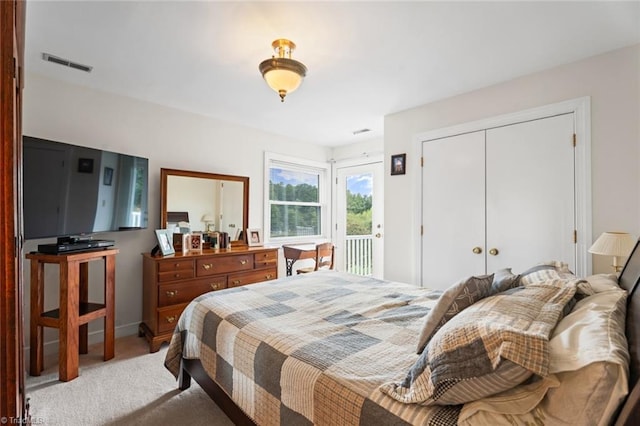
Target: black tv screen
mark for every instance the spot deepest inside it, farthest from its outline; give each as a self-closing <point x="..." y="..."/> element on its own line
<point x="75" y="190"/>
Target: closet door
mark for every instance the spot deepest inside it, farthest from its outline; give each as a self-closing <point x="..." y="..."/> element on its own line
<point x="530" y="193"/>
<point x="453" y="212"/>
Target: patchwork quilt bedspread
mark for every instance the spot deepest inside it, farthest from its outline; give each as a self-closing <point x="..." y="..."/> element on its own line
<point x="311" y="349"/>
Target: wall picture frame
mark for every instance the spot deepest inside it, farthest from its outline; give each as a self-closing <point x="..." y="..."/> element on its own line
<point x="398" y="164"/>
<point x="85" y="165"/>
<point x="165" y="241"/>
<point x="254" y="237"/>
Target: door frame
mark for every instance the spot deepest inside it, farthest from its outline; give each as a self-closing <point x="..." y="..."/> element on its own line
<point x="339" y="164"/>
<point x="581" y="108"/>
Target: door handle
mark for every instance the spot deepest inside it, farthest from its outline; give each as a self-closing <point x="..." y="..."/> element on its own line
<point x="477" y="250"/>
<point x="378" y="235"/>
<point x="494" y="252"/>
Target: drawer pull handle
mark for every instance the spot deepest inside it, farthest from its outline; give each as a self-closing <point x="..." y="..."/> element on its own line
<point x="172" y="293"/>
<point x="207" y="266"/>
<point x="171" y="319"/>
<point x="176" y="265"/>
<point x="215" y="286"/>
<point x="243" y="262"/>
<point x="268" y="276"/>
<point x="176" y="275"/>
<point x="236" y="282"/>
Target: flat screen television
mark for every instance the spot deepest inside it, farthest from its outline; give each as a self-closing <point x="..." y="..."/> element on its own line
<point x="71" y="190"/>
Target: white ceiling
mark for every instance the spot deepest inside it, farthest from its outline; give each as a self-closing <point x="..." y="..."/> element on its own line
<point x="365" y="59"/>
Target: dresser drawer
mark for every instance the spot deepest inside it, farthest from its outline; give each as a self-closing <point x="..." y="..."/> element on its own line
<point x="180" y="274"/>
<point x="168" y="317"/>
<point x="243" y="278"/>
<point x="265" y="260"/>
<point x="175" y="265"/>
<point x="223" y="264"/>
<point x="183" y="292"/>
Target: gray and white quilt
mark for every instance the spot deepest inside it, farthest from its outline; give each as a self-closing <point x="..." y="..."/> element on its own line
<point x="311" y="349"/>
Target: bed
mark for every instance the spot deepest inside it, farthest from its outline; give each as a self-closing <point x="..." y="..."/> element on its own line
<point x="333" y="348"/>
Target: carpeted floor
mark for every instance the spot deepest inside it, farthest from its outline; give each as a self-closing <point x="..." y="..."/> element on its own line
<point x="134" y="388"/>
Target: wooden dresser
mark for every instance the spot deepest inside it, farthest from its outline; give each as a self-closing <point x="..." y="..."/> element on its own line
<point x="170" y="283"/>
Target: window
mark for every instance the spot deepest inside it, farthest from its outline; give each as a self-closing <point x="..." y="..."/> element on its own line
<point x="296" y="193"/>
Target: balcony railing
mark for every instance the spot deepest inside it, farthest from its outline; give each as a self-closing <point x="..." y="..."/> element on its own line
<point x="359" y="254"/>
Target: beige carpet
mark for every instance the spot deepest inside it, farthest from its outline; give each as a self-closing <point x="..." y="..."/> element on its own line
<point x="134" y="388"/>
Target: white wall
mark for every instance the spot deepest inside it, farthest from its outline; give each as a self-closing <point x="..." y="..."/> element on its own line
<point x="169" y="138"/>
<point x="359" y="150"/>
<point x="612" y="80"/>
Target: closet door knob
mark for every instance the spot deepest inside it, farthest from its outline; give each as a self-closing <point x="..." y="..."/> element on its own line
<point x="477" y="250"/>
<point x="494" y="252"/>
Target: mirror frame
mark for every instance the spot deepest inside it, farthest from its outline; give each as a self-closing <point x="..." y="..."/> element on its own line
<point x="165" y="173"/>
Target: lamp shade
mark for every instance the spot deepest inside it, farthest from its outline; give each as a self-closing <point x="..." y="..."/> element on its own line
<point x="207" y="218"/>
<point x="281" y="79"/>
<point x="613" y="244"/>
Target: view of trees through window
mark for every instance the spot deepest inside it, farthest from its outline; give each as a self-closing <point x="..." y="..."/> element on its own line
<point x="359" y="193"/>
<point x="295" y="203"/>
<point x="358" y="214"/>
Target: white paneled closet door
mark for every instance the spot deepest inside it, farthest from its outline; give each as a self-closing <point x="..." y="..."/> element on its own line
<point x="530" y="193"/>
<point x="453" y="209"/>
<point x="498" y="198"/>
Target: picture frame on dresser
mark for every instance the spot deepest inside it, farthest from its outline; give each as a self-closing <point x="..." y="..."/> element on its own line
<point x="254" y="237"/>
<point x="165" y="242"/>
<point x="195" y="242"/>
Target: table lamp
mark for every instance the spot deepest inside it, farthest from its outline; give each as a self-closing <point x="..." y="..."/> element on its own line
<point x="616" y="244"/>
<point x="208" y="220"/>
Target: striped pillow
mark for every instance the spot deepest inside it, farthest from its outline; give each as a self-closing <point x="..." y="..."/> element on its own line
<point x="546" y="271"/>
<point x="491" y="346"/>
<point x="461" y="295"/>
<point x="456" y="298"/>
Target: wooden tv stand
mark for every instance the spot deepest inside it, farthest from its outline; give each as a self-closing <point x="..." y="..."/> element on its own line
<point x="74" y="310"/>
<point x="171" y="282"/>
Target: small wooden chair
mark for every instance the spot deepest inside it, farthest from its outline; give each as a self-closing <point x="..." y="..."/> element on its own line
<point x="324" y="259"/>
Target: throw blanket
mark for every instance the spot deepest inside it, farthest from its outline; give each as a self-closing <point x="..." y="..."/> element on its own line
<point x="311" y="349"/>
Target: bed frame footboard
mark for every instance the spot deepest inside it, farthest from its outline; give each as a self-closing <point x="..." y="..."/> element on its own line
<point x="193" y="368"/>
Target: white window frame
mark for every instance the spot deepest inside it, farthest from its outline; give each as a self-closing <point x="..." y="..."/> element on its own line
<point x="323" y="170"/>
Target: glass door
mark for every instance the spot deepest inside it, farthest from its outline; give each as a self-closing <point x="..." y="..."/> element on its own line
<point x="359" y="219"/>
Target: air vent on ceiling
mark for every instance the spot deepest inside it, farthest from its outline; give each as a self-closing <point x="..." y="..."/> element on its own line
<point x="357" y="132"/>
<point x="67" y="63"/>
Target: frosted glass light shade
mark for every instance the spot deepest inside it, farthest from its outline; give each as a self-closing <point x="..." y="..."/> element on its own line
<point x="282" y="79"/>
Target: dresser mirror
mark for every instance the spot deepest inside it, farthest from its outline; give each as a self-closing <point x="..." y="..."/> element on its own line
<point x="204" y="202"/>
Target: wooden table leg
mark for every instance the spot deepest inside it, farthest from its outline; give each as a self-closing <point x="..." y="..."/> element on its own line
<point x="83" y="331"/>
<point x="35" y="330"/>
<point x="109" y="301"/>
<point x="69" y="327"/>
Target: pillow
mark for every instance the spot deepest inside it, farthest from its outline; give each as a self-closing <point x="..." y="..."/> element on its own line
<point x="493" y="345"/>
<point x="457" y="297"/>
<point x="554" y="270"/>
<point x="589" y="362"/>
<point x="545" y="271"/>
<point x="603" y="282"/>
<point x="578" y="397"/>
<point x="504" y="279"/>
<point x="460" y="295"/>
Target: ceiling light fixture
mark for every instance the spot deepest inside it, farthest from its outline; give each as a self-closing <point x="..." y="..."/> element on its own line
<point x="282" y="73"/>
